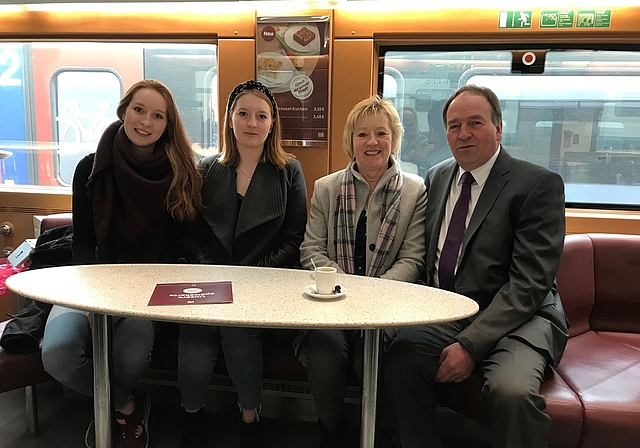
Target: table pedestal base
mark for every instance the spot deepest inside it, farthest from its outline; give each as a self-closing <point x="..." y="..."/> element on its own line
<point x="369" y="387"/>
<point x="100" y="332"/>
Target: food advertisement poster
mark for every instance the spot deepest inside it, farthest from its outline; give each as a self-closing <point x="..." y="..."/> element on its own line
<point x="293" y="61"/>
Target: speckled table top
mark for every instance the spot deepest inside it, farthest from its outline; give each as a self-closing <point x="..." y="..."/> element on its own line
<point x="262" y="297"/>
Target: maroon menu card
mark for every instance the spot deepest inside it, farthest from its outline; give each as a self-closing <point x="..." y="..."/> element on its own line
<point x="191" y="293"/>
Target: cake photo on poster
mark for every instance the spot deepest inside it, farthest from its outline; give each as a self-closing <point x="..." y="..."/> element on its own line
<point x="304" y="36"/>
<point x="302" y="39"/>
<point x="274" y="69"/>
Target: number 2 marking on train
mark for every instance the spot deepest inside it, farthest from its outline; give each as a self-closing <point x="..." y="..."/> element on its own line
<point x="6" y="74"/>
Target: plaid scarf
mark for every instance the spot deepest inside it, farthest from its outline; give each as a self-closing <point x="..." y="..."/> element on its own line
<point x="344" y="219"/>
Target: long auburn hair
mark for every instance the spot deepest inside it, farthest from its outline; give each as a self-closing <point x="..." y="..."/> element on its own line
<point x="272" y="152"/>
<point x="184" y="197"/>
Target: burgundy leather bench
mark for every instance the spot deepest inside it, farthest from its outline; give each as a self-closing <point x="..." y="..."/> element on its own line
<point x="26" y="371"/>
<point x="23" y="371"/>
<point x="593" y="396"/>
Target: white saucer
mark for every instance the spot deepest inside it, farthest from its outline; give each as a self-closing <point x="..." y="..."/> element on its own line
<point x="313" y="292"/>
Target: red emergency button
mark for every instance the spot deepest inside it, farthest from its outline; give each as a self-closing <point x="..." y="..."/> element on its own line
<point x="529" y="58"/>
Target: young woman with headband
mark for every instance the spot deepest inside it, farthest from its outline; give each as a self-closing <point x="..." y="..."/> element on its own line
<point x="254" y="214"/>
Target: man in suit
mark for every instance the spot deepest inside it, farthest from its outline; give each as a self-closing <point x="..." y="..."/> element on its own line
<point x="512" y="238"/>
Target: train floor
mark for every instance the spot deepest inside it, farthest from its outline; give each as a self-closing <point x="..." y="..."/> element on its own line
<point x="64" y="416"/>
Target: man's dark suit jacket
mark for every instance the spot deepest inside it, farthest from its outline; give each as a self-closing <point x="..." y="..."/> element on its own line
<point x="509" y="257"/>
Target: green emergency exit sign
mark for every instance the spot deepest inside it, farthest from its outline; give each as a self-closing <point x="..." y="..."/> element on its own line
<point x="515" y="19"/>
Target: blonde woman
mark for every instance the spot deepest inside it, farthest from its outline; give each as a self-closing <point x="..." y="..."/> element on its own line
<point x="367" y="219"/>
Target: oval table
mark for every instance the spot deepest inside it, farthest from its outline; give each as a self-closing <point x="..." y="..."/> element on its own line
<point x="262" y="297"/>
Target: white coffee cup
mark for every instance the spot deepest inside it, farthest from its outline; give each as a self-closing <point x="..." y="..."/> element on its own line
<point x="325" y="277"/>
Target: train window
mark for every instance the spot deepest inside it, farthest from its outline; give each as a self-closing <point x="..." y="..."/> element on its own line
<point x="56" y="99"/>
<point x="83" y="103"/>
<point x="580" y="117"/>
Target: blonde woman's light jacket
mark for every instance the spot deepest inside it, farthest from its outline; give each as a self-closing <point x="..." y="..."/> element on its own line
<point x="406" y="260"/>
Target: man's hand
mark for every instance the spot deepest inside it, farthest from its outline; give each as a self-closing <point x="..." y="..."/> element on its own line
<point x="456" y="364"/>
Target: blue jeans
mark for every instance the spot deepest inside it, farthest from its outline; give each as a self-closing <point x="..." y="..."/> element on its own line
<point x="67" y="348"/>
<point x="328" y="356"/>
<point x="198" y="350"/>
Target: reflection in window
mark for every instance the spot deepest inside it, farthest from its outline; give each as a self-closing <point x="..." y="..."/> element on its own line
<point x="580" y="118"/>
<point x="85" y="104"/>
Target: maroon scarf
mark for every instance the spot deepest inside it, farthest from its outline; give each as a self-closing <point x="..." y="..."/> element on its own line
<point x="128" y="196"/>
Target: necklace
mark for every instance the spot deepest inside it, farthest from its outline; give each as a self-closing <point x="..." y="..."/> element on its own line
<point x="245" y="174"/>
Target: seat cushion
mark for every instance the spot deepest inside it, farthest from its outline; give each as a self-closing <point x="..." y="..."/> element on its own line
<point x="563" y="406"/>
<point x="576" y="282"/>
<point x="280" y="362"/>
<point x="604" y="373"/>
<point x="630" y="339"/>
<point x="617" y="283"/>
<point x="565" y="410"/>
<point x="56" y="220"/>
<point x="17" y="371"/>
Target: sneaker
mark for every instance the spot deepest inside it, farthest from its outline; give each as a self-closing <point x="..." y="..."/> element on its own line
<point x="194" y="426"/>
<point x="90" y="434"/>
<point x="134" y="426"/>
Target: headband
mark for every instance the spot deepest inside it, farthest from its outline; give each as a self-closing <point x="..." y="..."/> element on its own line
<point x="252" y="85"/>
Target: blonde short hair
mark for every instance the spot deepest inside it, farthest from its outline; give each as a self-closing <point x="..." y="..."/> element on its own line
<point x="371" y="106"/>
